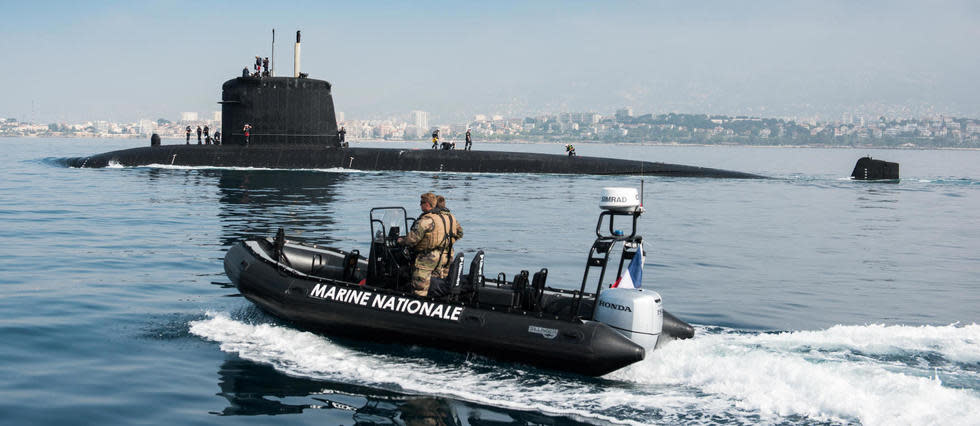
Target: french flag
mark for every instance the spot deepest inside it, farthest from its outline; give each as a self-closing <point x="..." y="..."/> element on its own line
<point x="634" y="274"/>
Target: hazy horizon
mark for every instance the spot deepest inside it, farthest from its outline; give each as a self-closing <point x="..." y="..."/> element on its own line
<point x="120" y="61"/>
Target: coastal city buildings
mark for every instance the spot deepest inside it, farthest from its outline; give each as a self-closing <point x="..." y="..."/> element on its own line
<point x="623" y="126"/>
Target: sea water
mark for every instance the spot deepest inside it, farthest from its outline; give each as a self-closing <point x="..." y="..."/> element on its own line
<point x="816" y="299"/>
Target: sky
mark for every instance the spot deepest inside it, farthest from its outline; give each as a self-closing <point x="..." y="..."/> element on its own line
<point x="69" y="61"/>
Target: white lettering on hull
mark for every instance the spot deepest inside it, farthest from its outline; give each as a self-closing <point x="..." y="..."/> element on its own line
<point x="386" y="302"/>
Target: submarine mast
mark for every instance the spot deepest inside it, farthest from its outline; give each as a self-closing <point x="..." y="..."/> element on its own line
<point x="296" y="57"/>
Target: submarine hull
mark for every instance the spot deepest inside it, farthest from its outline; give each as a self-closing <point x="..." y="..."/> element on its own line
<point x="295" y="156"/>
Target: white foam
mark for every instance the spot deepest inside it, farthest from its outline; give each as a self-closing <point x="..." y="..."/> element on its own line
<point x="954" y="342"/>
<point x="718" y="375"/>
<point x="309" y="355"/>
<point x="780" y="374"/>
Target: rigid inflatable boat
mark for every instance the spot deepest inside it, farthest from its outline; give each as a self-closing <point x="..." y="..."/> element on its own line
<point x="588" y="331"/>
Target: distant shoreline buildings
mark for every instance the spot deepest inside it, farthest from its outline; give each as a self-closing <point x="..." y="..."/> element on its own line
<point x="621" y="127"/>
<point x="702" y="129"/>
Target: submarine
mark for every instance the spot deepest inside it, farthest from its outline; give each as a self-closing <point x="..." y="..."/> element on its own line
<point x="588" y="329"/>
<point x="293" y="125"/>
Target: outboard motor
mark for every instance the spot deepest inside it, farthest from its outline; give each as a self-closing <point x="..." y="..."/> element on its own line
<point x="636" y="313"/>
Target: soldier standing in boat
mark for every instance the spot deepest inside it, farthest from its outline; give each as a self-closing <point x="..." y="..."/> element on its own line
<point x="188" y="140"/>
<point x="469" y="141"/>
<point x="432" y="237"/>
<point x="442" y="210"/>
<point x="247" y="128"/>
<point x="435" y="139"/>
<point x="199" y="135"/>
<point x="207" y="136"/>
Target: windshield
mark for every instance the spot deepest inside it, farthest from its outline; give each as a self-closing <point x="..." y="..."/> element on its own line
<point x="394" y="218"/>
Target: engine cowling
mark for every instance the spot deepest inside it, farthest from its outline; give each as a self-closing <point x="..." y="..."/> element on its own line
<point x="636" y="313"/>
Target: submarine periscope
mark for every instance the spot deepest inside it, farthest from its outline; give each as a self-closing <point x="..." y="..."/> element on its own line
<point x="293" y="125"/>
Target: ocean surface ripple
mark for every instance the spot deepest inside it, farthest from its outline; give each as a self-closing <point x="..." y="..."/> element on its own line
<point x="817" y="299"/>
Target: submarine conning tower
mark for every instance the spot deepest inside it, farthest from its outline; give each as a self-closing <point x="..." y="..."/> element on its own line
<point x="281" y="111"/>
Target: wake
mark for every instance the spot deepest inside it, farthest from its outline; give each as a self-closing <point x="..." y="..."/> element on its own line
<point x="871" y="374"/>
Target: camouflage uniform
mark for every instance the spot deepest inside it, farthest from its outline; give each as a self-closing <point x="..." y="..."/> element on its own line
<point x="432" y="237"/>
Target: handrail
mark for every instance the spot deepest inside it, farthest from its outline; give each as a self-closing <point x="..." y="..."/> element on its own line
<point x="605" y="244"/>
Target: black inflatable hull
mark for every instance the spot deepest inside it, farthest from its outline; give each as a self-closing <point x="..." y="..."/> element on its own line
<point x="676" y="328"/>
<point x="584" y="347"/>
<point x="389" y="159"/>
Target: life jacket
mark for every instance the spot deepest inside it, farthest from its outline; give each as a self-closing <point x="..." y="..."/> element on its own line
<point x="443" y="233"/>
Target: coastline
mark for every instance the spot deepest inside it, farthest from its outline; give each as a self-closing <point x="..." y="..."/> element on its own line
<point x="677" y="144"/>
<point x="180" y="139"/>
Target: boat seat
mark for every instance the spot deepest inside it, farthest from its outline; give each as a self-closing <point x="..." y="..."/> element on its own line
<point x="528" y="293"/>
<point x="455" y="277"/>
<point x="474" y="280"/>
<point x="449" y="287"/>
<point x="350" y="266"/>
<point x="521" y="290"/>
<point x="534" y="292"/>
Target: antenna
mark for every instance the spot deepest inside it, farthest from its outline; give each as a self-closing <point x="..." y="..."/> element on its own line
<point x="641" y="192"/>
<point x="272" y="64"/>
